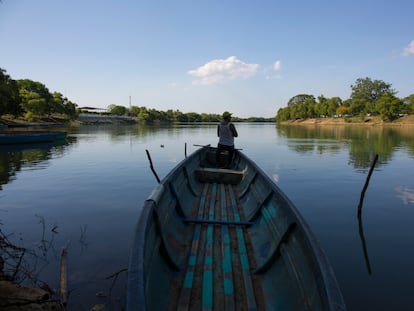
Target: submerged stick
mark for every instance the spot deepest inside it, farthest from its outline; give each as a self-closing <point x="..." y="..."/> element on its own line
<point x="366" y="185"/>
<point x="364" y="244"/>
<point x="63" y="277"/>
<point x="361" y="229"/>
<point x="152" y="167"/>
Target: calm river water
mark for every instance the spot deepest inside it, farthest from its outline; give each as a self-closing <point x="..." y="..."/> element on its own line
<point x="86" y="195"/>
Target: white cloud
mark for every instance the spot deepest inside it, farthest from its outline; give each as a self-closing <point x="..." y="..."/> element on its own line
<point x="277" y="65"/>
<point x="409" y="50"/>
<point x="219" y="70"/>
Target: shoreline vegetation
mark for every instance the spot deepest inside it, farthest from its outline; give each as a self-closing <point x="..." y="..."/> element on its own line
<point x="366" y="121"/>
<point x="30" y="100"/>
<point x="95" y="119"/>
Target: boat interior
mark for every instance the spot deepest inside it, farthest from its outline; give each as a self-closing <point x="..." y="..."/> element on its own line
<point x="226" y="239"/>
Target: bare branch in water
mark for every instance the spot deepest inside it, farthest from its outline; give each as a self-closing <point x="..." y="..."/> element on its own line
<point x="115" y="277"/>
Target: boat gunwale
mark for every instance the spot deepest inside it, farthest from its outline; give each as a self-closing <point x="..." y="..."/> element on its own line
<point x="329" y="282"/>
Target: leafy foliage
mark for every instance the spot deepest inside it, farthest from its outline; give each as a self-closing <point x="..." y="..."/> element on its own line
<point x="31" y="98"/>
<point x="370" y="91"/>
<point x="117" y="110"/>
<point x="374" y="97"/>
<point x="9" y="95"/>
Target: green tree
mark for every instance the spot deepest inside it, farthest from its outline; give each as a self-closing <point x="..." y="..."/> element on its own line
<point x="342" y="110"/>
<point x="357" y="106"/>
<point x="320" y="109"/>
<point x="332" y="105"/>
<point x="134" y="111"/>
<point x="283" y="114"/>
<point x="369" y="90"/>
<point x="300" y="99"/>
<point x="389" y="106"/>
<point x="9" y="95"/>
<point x="117" y="110"/>
<point x="35" y="97"/>
<point x="309" y="108"/>
<point x="154" y="115"/>
<point x="143" y="114"/>
<point x="409" y="104"/>
<point x="193" y="117"/>
<point x="180" y="117"/>
<point x="64" y="106"/>
<point x="300" y="106"/>
<point x="365" y="93"/>
<point x="33" y="103"/>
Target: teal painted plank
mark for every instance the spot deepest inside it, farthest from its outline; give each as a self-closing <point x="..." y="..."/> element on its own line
<point x="192" y="260"/>
<point x="228" y="283"/>
<point x="228" y="288"/>
<point x="269" y="213"/>
<point x="188" y="280"/>
<point x="208" y="277"/>
<point x="185" y="294"/>
<point x="248" y="285"/>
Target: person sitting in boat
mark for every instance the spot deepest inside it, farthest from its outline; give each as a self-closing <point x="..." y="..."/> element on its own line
<point x="226" y="131"/>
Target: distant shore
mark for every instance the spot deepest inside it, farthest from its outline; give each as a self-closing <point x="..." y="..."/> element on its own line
<point x="370" y="121"/>
<point x="80" y="120"/>
<point x="97" y="119"/>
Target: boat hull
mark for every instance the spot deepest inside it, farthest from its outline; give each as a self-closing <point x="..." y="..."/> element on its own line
<point x="28" y="137"/>
<point x="219" y="239"/>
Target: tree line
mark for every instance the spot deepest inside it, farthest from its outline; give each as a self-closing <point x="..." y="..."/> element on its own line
<point x="368" y="97"/>
<point x="150" y="115"/>
<point x="31" y="98"/>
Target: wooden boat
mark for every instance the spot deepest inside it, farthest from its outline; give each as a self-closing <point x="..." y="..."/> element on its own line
<point x="24" y="137"/>
<point x="226" y="239"/>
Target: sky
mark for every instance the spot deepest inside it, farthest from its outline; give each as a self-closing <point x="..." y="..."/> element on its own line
<point x="207" y="56"/>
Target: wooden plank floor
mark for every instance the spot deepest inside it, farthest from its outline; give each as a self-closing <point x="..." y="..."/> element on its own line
<point x="219" y="269"/>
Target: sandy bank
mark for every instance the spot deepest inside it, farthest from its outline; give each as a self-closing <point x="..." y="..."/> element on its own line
<point x="371" y="121"/>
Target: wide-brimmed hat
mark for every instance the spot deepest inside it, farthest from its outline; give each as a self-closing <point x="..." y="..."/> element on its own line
<point x="226" y="115"/>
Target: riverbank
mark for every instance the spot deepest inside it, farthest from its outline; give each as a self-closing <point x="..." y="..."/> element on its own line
<point x="7" y="121"/>
<point x="82" y="119"/>
<point x="370" y="121"/>
<point x="104" y="119"/>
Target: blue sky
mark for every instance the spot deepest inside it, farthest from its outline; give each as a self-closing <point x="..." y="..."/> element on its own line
<point x="248" y="57"/>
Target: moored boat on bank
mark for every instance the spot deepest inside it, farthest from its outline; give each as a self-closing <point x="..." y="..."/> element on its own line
<point x="24" y="137"/>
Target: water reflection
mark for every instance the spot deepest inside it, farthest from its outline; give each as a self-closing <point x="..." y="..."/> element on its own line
<point x="14" y="158"/>
<point x="362" y="142"/>
<point x="138" y="129"/>
<point x="406" y="194"/>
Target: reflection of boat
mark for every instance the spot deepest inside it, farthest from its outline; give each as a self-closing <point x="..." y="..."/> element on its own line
<point x="24" y="137"/>
<point x="224" y="239"/>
